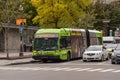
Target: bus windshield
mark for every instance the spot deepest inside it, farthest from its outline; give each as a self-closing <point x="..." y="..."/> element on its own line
<point x="45" y="44"/>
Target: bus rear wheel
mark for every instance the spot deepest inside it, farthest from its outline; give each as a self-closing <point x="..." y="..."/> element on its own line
<point x="44" y="60"/>
<point x="68" y="57"/>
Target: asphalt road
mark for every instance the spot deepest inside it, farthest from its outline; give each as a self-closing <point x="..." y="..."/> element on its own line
<point x="72" y="70"/>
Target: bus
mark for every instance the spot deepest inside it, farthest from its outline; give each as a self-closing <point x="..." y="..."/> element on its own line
<point x="63" y="43"/>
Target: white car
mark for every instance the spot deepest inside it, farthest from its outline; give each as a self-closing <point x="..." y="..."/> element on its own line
<point x="95" y="52"/>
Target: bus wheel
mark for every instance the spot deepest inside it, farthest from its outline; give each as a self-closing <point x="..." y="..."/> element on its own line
<point x="84" y="60"/>
<point x="68" y="57"/>
<point x="44" y="60"/>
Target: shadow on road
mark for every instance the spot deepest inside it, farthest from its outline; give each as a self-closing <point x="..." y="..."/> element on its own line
<point x="40" y="62"/>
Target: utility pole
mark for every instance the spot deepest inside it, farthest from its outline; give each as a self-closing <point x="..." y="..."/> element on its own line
<point x="6" y="29"/>
<point x="21" y="31"/>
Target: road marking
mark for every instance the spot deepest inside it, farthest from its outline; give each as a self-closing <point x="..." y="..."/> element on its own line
<point x="58" y="69"/>
<point x="73" y="69"/>
<point x="84" y="69"/>
<point x="107" y="70"/>
<point x="95" y="70"/>
<point x="83" y="64"/>
<point x="116" y="71"/>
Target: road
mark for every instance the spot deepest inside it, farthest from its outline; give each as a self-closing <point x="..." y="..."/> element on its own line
<point x="72" y="70"/>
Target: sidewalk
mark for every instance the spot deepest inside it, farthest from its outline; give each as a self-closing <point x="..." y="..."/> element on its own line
<point x="14" y="58"/>
<point x="15" y="55"/>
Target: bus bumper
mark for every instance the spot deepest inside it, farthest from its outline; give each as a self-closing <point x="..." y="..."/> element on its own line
<point x="46" y="57"/>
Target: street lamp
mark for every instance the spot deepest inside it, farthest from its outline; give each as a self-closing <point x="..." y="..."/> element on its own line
<point x="106" y="21"/>
<point x="21" y="31"/>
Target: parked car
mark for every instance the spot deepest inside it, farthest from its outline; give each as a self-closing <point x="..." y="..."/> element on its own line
<point x="115" y="58"/>
<point x="110" y="48"/>
<point x="95" y="52"/>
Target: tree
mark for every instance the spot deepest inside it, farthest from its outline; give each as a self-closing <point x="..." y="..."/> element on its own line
<point x="88" y="21"/>
<point x="115" y="14"/>
<point x="102" y="11"/>
<point x="29" y="12"/>
<point x="110" y="12"/>
<point x="10" y="11"/>
<point x="59" y="13"/>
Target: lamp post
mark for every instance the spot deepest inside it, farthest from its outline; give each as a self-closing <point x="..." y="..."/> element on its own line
<point x="106" y="21"/>
<point x="21" y="31"/>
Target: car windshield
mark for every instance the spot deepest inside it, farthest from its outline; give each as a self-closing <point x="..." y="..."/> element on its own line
<point x="94" y="48"/>
<point x="111" y="46"/>
<point x="45" y="44"/>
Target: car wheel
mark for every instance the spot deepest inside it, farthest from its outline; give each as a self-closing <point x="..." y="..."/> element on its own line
<point x="112" y="62"/>
<point x="107" y="58"/>
<point x="102" y="58"/>
<point x="116" y="62"/>
<point x="84" y="60"/>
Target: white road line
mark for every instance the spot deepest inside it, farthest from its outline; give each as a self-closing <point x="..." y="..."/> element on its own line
<point x="44" y="68"/>
<point x="116" y="71"/>
<point x="72" y="69"/>
<point x="83" y="64"/>
<point x="106" y="70"/>
<point x="84" y="69"/>
<point x="58" y="69"/>
<point x="99" y="69"/>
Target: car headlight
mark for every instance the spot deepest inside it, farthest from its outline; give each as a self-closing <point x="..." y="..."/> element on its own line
<point x="84" y="54"/>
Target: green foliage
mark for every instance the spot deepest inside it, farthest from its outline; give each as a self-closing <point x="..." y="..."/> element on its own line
<point x="107" y="11"/>
<point x="59" y="13"/>
<point x="29" y="11"/>
<point x="10" y="11"/>
<point x="115" y="14"/>
<point x="88" y="21"/>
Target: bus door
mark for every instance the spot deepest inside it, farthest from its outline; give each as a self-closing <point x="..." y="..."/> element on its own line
<point x="81" y="48"/>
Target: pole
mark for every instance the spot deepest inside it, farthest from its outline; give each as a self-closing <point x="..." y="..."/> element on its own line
<point x="21" y="32"/>
<point x="21" y="38"/>
<point x="21" y="46"/>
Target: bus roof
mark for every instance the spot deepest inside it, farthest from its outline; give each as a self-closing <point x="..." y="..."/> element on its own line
<point x="62" y="31"/>
<point x="67" y="31"/>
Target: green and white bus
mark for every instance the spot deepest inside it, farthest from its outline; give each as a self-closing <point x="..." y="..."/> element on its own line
<point x="64" y="43"/>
